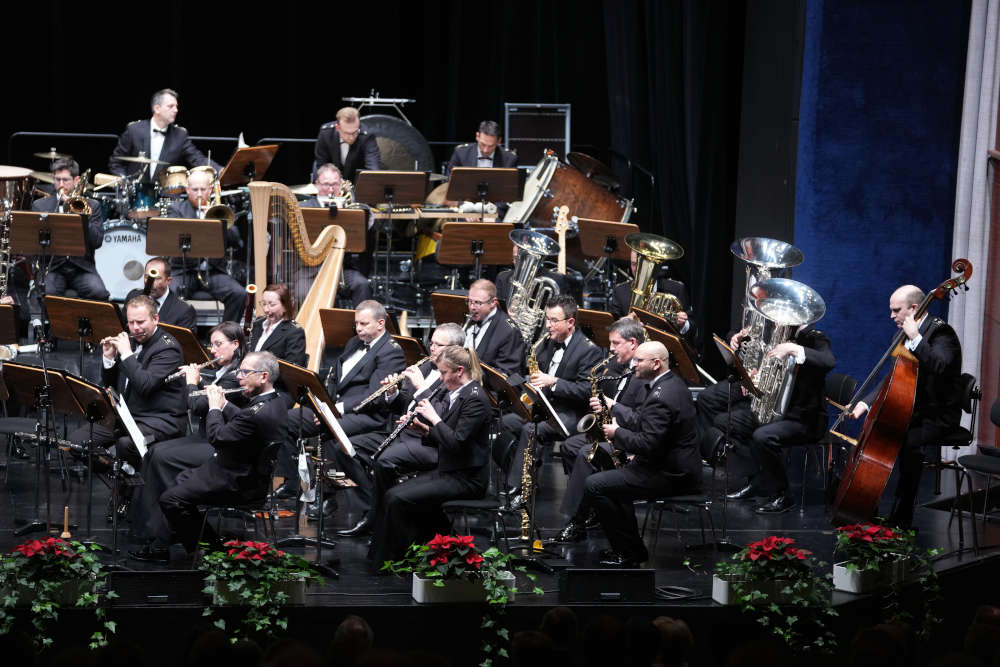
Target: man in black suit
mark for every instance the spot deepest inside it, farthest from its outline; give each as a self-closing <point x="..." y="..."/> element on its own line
<point x="221" y="285"/>
<point x="564" y="362"/>
<point x="661" y="436"/>
<point x="171" y="308"/>
<point x="486" y="151"/>
<point x="239" y="436"/>
<point x="343" y="143"/>
<point x="159" y="139"/>
<point x="624" y="393"/>
<point x="621" y="302"/>
<point x="367" y="358"/>
<point x="494" y="336"/>
<point x="759" y="448"/>
<point x="937" y="405"/>
<point x="136" y="363"/>
<point x="455" y="421"/>
<point x="356" y="265"/>
<point x="77" y="273"/>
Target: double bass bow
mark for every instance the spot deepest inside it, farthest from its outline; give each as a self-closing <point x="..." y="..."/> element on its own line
<point x="870" y="463"/>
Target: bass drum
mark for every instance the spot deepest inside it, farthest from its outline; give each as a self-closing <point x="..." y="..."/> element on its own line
<point x="553" y="184"/>
<point x="121" y="260"/>
<point x="400" y="145"/>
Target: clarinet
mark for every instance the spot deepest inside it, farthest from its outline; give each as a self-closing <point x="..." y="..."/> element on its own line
<point x="403" y="424"/>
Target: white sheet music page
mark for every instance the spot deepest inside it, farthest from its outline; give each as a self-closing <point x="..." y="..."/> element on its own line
<point x="326" y="414"/>
<point x="133" y="429"/>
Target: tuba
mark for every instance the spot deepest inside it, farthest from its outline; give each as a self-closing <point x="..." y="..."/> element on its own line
<point x="529" y="292"/>
<point x="785" y="304"/>
<point x="652" y="252"/>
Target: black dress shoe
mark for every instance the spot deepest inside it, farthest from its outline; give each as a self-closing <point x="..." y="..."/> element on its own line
<point x="573" y="532"/>
<point x="362" y="527"/>
<point x="743" y="494"/>
<point x="329" y="509"/>
<point x="778" y="505"/>
<point x="288" y="489"/>
<point x="619" y="561"/>
<point x="593" y="521"/>
<point x="150" y="554"/>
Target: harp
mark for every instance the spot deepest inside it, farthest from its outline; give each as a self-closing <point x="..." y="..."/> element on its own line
<point x="282" y="247"/>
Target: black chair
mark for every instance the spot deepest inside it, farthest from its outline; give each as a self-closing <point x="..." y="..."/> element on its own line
<point x="262" y="508"/>
<point x="987" y="464"/>
<point x="960" y="437"/>
<point x="678" y="505"/>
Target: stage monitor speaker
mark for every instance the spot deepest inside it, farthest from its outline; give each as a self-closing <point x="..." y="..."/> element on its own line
<point x="145" y="587"/>
<point x="531" y="128"/>
<point x="595" y="585"/>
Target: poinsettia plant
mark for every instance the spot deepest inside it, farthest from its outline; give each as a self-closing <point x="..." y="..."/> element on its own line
<point x="255" y="573"/>
<point x="47" y="574"/>
<point x="867" y="546"/>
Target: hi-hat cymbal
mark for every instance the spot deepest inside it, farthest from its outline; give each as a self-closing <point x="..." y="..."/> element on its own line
<point x="307" y="189"/>
<point x="43" y="176"/>
<point x="52" y="154"/>
<point x="142" y="160"/>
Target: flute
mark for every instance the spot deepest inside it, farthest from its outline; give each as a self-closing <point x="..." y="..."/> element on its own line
<point x="384" y="388"/>
<point x="204" y="392"/>
<point x="181" y="373"/>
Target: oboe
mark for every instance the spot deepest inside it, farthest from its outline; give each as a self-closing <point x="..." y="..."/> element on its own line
<point x="204" y="392"/>
<point x="183" y="372"/>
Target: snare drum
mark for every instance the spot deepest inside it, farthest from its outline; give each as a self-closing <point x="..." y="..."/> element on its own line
<point x="173" y="180"/>
<point x="142" y="203"/>
<point x="15" y="190"/>
<point x="121" y="260"/>
<point x="553" y="184"/>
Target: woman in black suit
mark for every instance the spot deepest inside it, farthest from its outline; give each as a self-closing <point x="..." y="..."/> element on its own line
<point x="276" y="332"/>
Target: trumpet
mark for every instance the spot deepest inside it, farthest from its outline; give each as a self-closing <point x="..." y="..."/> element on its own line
<point x="204" y="392"/>
<point x="182" y="373"/>
<point x="385" y="388"/>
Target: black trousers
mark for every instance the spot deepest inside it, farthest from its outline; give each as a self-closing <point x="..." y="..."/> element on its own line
<point x="86" y="284"/>
<point x="911" y="466"/>
<point x="405" y="455"/>
<point x="221" y="286"/>
<point x="201" y="486"/>
<point x="576" y="486"/>
<point x="121" y="440"/>
<point x="162" y="466"/>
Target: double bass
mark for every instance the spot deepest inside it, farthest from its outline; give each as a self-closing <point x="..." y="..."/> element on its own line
<point x="870" y="463"/>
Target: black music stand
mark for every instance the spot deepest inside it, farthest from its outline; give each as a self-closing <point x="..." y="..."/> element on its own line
<point x="194" y="353"/>
<point x="598" y="322"/>
<point x="96" y="404"/>
<point x="482" y="185"/>
<point x="8" y="326"/>
<point x="181" y="237"/>
<point x="247" y="164"/>
<point x="682" y="362"/>
<point x="603" y="237"/>
<point x="353" y="220"/>
<point x="87" y="321"/>
<point x="449" y="307"/>
<point x="475" y="243"/>
<point x="413" y="349"/>
<point x="338" y="326"/>
<point x="391" y="188"/>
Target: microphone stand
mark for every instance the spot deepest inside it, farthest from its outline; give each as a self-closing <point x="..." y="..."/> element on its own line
<point x="43" y="404"/>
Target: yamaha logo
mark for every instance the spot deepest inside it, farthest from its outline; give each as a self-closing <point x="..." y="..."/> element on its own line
<point x="124" y="238"/>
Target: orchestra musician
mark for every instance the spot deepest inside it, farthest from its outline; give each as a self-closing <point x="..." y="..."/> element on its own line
<point x="758" y="449"/>
<point x="239" y="436"/>
<point x="220" y="285"/>
<point x="171" y="308"/>
<point x="491" y="333"/>
<point x="76" y="273"/>
<point x="455" y="421"/>
<point x="159" y="138"/>
<point x="171" y="457"/>
<point x="343" y="143"/>
<point x="367" y="358"/>
<point x="621" y="397"/>
<point x="277" y="331"/>
<point x="660" y="436"/>
<point x="937" y="405"/>
<point x="486" y="151"/>
<point x="621" y="302"/>
<point x="407" y="452"/>
<point x="328" y="184"/>
<point x="564" y="362"/>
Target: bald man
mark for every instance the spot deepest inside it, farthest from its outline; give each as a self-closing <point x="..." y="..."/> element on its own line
<point x="660" y="437"/>
<point x="937" y="407"/>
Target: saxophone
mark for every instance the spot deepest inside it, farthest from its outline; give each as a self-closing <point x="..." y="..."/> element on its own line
<point x="591" y="423"/>
<point x="526" y="396"/>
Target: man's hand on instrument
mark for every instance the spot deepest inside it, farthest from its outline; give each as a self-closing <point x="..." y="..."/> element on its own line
<point x="108" y="348"/>
<point x="216" y="397"/>
<point x="910" y="327"/>
<point x="427" y="412"/>
<point x="391" y="393"/>
<point x="192" y="374"/>
<point x="123" y="345"/>
<point x="416" y="378"/>
<point x="610" y="429"/>
<point x="682" y="319"/>
<point x="542" y="380"/>
<point x="860" y="408"/>
<point x="785" y="350"/>
<point x="737" y="338"/>
<point x="595" y="403"/>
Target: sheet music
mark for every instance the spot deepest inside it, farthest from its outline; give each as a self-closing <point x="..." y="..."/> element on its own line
<point x="133" y="429"/>
<point x="553" y="415"/>
<point x="326" y="414"/>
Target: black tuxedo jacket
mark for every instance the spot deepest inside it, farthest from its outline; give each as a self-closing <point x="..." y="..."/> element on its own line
<point x="149" y="399"/>
<point x="198" y="405"/>
<point x="93" y="236"/>
<point x="363" y="155"/>
<point x="174" y="310"/>
<point x="467" y="155"/>
<point x="239" y="436"/>
<point x="571" y="395"/>
<point x="177" y="149"/>
<point x="807" y="404"/>
<point x="621" y="303"/>
<point x="384" y="358"/>
<point x="502" y="346"/>
<point x="632" y="395"/>
<point x="462" y="435"/>
<point x="662" y="431"/>
<point x="287" y="341"/>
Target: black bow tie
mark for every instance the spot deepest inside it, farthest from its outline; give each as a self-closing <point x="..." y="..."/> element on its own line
<point x="366" y="347"/>
<point x="159" y="131"/>
<point x="559" y="346"/>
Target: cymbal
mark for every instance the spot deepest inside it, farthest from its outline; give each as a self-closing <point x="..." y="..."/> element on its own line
<point x="142" y="160"/>
<point x="593" y="169"/>
<point x="43" y="176"/>
<point x="52" y="154"/>
<point x="307" y="189"/>
<point x="435" y="177"/>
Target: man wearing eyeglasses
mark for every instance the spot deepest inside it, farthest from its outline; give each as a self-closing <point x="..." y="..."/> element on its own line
<point x="344" y="144"/>
<point x="491" y="333"/>
<point x="235" y="473"/>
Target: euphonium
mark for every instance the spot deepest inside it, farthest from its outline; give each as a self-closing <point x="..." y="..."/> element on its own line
<point x="787" y="304"/>
<point x="75" y="201"/>
<point x="529" y="293"/>
<point x="652" y="252"/>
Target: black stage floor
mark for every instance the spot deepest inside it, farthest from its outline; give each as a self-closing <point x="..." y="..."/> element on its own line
<point x="967" y="579"/>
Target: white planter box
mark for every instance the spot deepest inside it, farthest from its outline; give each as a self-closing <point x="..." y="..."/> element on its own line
<point x="866" y="581"/>
<point x="295" y="590"/>
<point x="456" y="590"/>
<point x="723" y="593"/>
